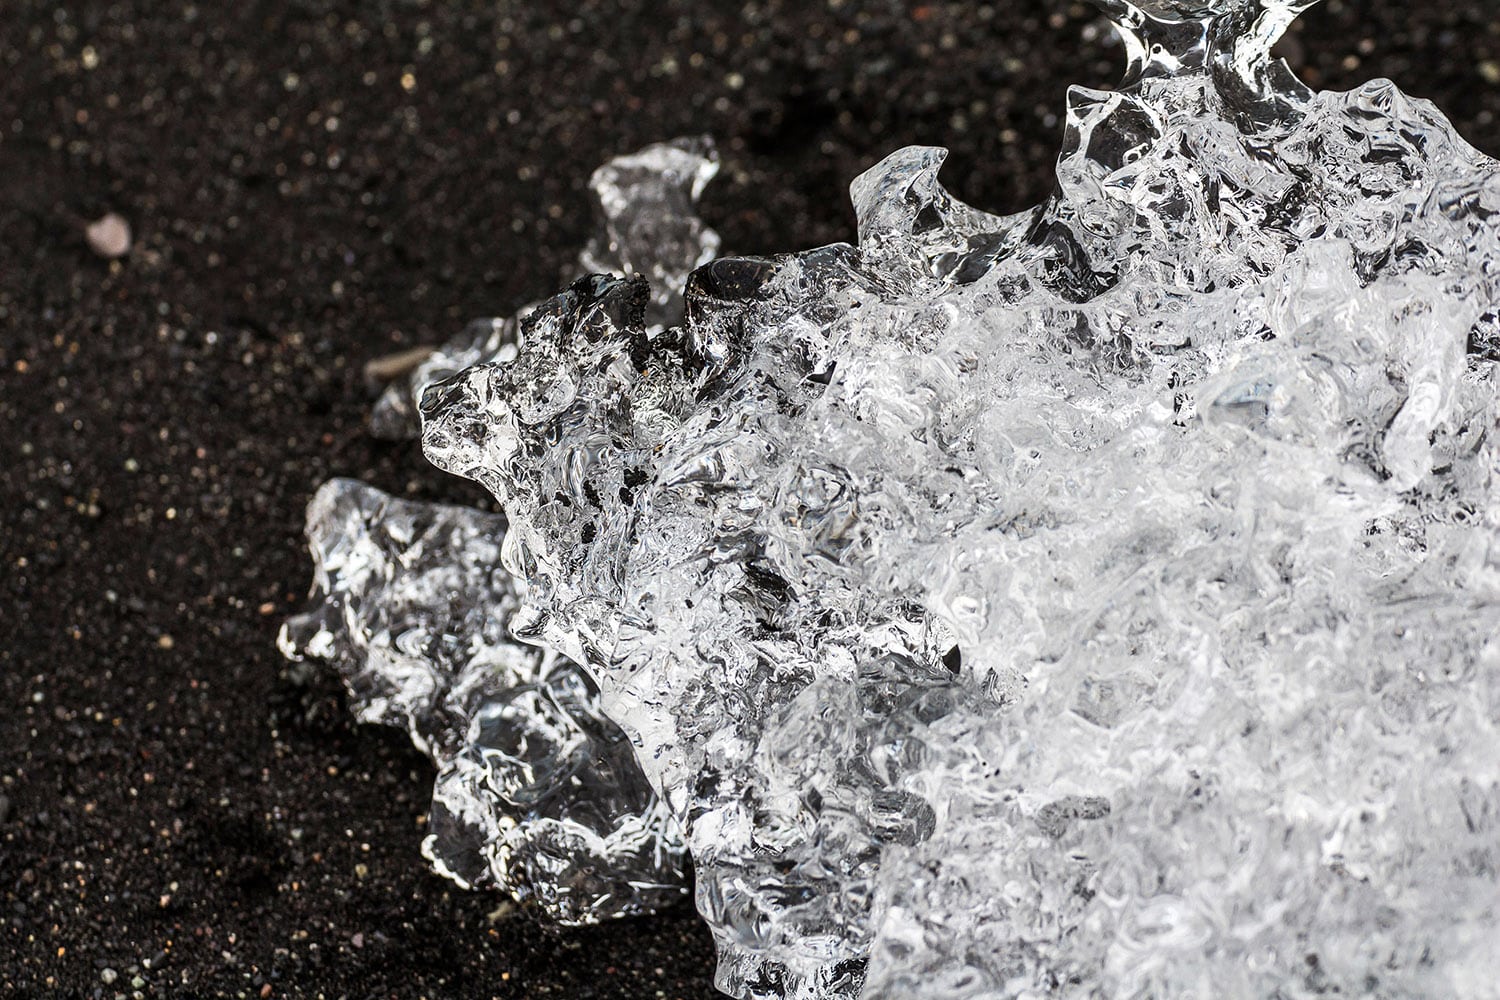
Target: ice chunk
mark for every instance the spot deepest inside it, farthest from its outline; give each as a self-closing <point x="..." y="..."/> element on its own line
<point x="537" y="793"/>
<point x="647" y="205"/>
<point x="1102" y="600"/>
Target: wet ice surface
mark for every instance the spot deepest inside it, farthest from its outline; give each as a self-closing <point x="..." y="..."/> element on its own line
<point x="1101" y="600"/>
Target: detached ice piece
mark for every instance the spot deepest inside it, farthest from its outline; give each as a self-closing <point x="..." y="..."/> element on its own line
<point x="1102" y="601"/>
<point x="646" y="207"/>
<point x="537" y="793"/>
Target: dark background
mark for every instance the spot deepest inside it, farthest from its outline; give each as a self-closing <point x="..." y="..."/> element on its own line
<point x="313" y="184"/>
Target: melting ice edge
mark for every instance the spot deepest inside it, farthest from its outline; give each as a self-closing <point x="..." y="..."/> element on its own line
<point x="1098" y="601"/>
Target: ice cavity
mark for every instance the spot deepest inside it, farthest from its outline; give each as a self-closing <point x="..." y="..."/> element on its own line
<point x="1097" y="601"/>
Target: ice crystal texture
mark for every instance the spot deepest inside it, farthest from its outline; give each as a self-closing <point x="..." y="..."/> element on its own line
<point x="646" y="209"/>
<point x="536" y="791"/>
<point x="1098" y="601"/>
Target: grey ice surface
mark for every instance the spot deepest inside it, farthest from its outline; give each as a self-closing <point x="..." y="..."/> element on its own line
<point x="1098" y="601"/>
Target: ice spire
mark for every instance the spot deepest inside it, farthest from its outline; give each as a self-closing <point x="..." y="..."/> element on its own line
<point x="1230" y="38"/>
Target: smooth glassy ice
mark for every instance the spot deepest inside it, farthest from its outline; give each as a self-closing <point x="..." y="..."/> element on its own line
<point x="1097" y="601"/>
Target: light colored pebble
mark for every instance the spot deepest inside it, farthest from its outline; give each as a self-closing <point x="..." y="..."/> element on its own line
<point x="109" y="236"/>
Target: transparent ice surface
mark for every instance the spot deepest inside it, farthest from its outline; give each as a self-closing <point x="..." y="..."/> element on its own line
<point x="645" y="205"/>
<point x="1101" y="601"/>
<point x="537" y="792"/>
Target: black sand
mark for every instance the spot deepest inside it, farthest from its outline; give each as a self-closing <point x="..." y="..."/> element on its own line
<point x="311" y="184"/>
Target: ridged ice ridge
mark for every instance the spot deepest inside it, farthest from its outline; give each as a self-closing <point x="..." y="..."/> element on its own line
<point x="1100" y="601"/>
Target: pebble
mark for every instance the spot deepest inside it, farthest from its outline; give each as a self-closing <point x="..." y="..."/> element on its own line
<point x="108" y="976"/>
<point x="109" y="236"/>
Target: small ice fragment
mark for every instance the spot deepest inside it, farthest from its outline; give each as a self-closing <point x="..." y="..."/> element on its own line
<point x="646" y="205"/>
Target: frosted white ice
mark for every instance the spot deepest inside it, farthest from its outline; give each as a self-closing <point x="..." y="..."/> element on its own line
<point x="1102" y="601"/>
